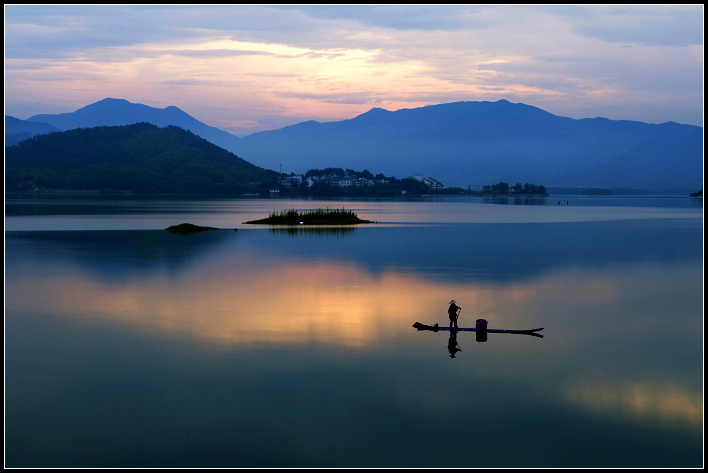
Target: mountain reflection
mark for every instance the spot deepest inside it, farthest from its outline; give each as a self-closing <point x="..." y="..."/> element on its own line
<point x="123" y="254"/>
<point x="474" y="253"/>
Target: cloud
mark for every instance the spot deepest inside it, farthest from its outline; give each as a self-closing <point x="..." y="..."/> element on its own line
<point x="212" y="53"/>
<point x="336" y="97"/>
<point x="649" y="25"/>
<point x="401" y="17"/>
<point x="334" y="61"/>
<point x="58" y="31"/>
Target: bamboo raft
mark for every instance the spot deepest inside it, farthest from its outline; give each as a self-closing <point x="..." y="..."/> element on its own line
<point x="480" y="329"/>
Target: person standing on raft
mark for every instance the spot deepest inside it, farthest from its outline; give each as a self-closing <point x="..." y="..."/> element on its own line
<point x="452" y="313"/>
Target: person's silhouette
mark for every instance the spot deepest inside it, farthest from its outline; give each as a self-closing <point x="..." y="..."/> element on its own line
<point x="452" y="313"/>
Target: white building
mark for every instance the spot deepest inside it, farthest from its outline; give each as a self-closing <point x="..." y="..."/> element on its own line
<point x="339" y="181"/>
<point x="433" y="183"/>
<point x="292" y="181"/>
<point x="428" y="181"/>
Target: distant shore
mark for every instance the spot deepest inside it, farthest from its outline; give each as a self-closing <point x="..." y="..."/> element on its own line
<point x="553" y="192"/>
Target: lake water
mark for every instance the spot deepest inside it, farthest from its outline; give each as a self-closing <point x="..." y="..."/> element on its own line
<point x="250" y="346"/>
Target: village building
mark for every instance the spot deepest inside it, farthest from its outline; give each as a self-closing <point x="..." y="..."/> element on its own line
<point x="428" y="181"/>
<point x="340" y="181"/>
<point x="290" y="181"/>
<point x="433" y="183"/>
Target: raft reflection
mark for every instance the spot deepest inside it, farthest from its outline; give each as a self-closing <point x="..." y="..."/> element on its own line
<point x="480" y="330"/>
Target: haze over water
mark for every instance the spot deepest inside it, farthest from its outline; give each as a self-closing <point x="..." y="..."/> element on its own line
<point x="129" y="346"/>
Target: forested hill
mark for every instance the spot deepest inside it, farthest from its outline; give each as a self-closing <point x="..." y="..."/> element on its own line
<point x="140" y="157"/>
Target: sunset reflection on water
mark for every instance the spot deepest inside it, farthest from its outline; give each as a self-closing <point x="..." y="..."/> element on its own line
<point x="295" y="303"/>
<point x="342" y="303"/>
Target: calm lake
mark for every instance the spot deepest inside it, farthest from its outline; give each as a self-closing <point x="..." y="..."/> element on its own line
<point x="254" y="346"/>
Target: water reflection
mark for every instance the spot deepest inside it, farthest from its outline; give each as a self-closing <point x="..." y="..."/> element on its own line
<point x="124" y="213"/>
<point x="313" y="231"/>
<point x="452" y="345"/>
<point x="237" y="296"/>
<point x="471" y="253"/>
<point x="116" y="255"/>
<point x="293" y="303"/>
<point x="280" y="351"/>
<point x="510" y="200"/>
<point x="646" y="401"/>
<point x="481" y="333"/>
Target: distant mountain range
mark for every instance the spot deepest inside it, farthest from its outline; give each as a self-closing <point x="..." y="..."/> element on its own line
<point x="114" y="112"/>
<point x="478" y="143"/>
<point x="17" y="130"/>
<point x="459" y="144"/>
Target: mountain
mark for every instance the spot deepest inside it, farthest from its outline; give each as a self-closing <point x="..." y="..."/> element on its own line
<point x="140" y="157"/>
<point x="114" y="112"/>
<point x="478" y="143"/>
<point x="17" y="130"/>
<point x="459" y="144"/>
<point x="668" y="163"/>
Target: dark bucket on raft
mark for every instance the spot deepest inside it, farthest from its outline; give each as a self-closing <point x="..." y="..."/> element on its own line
<point x="481" y="330"/>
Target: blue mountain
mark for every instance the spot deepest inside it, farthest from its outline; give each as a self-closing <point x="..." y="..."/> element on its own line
<point x="459" y="144"/>
<point x="115" y="112"/>
<point x="659" y="164"/>
<point x="478" y="143"/>
<point x="17" y="130"/>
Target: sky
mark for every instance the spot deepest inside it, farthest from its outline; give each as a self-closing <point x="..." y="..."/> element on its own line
<point x="249" y="68"/>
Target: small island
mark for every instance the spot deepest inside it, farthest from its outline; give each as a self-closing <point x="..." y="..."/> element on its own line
<point x="187" y="228"/>
<point x="312" y="217"/>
